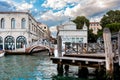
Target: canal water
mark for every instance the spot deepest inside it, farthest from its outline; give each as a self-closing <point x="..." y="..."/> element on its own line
<point x="30" y="67"/>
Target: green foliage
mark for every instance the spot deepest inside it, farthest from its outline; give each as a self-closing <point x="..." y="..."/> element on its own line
<point x="111" y="20"/>
<point x="91" y="37"/>
<point x="100" y="33"/>
<point x="110" y="17"/>
<point x="114" y="27"/>
<point x="80" y="20"/>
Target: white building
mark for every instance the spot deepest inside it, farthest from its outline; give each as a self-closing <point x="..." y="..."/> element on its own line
<point x="95" y="26"/>
<point x="69" y="33"/>
<point x="18" y="29"/>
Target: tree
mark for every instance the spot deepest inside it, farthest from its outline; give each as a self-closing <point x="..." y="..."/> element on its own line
<point x="114" y="27"/>
<point x="80" y="20"/>
<point x="91" y="37"/>
<point x="110" y="17"/>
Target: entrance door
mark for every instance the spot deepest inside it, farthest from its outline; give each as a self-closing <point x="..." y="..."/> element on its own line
<point x="20" y="41"/>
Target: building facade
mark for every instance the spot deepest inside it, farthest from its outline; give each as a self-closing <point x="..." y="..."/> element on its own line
<point x="69" y="33"/>
<point x="95" y="26"/>
<point x="18" y="29"/>
<point x="46" y="30"/>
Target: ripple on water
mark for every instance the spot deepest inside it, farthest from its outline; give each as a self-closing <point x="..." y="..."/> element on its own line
<point x="25" y="67"/>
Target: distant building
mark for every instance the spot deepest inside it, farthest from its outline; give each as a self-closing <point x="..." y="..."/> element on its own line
<point x="47" y="32"/>
<point x="95" y="26"/>
<point x="69" y="33"/>
<point x="18" y="29"/>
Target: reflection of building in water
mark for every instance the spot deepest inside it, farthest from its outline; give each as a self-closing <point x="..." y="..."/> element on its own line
<point x="18" y="29"/>
<point x="69" y="33"/>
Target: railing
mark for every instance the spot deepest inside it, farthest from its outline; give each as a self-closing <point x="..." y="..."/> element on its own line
<point x="87" y="48"/>
<point x="40" y="43"/>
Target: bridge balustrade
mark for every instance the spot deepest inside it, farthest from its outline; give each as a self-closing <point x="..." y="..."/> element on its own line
<point x="40" y="43"/>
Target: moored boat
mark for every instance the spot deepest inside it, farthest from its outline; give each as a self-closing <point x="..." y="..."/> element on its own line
<point x="2" y="53"/>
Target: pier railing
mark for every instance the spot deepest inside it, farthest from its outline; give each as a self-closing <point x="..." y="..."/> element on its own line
<point x="80" y="48"/>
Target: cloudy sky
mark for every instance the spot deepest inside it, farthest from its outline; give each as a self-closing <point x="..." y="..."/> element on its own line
<point x="55" y="12"/>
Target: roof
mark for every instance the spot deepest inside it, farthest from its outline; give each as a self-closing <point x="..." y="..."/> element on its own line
<point x="18" y="12"/>
<point x="94" y="22"/>
<point x="67" y="26"/>
<point x="69" y="23"/>
<point x="14" y="12"/>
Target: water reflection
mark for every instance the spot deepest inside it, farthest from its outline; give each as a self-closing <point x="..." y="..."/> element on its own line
<point x="21" y="67"/>
<point x="32" y="67"/>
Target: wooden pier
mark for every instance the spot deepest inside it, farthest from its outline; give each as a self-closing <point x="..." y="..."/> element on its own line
<point x="102" y="61"/>
<point x="83" y="62"/>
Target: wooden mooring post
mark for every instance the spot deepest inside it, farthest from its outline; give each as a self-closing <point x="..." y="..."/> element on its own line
<point x="108" y="52"/>
<point x="59" y="43"/>
<point x="59" y="47"/>
<point x="119" y="47"/>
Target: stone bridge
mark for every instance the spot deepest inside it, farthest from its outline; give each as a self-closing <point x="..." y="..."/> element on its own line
<point x="39" y="46"/>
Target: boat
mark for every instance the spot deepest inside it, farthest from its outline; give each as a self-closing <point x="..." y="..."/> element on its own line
<point x="2" y="53"/>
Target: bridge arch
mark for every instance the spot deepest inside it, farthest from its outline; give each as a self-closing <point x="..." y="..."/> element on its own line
<point x="31" y="49"/>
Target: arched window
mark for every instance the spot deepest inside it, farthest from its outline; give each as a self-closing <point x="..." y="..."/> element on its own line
<point x="23" y="23"/>
<point x="2" y="23"/>
<point x="1" y="43"/>
<point x="12" y="23"/>
<point x="9" y="43"/>
<point x="20" y="41"/>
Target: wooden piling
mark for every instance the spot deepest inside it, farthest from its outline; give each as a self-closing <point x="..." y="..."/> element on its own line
<point x="83" y="72"/>
<point x="59" y="43"/>
<point x="60" y="69"/>
<point x="77" y="47"/>
<point x="108" y="52"/>
<point x="119" y="46"/>
<point x="66" y="67"/>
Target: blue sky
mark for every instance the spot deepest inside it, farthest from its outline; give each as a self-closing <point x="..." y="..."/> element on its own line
<point x="55" y="12"/>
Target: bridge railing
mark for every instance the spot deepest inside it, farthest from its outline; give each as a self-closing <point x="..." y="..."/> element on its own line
<point x="40" y="43"/>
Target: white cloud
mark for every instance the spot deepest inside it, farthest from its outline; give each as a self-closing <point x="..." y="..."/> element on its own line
<point x="83" y="7"/>
<point x="90" y="8"/>
<point x="32" y="1"/>
<point x="24" y="6"/>
<point x="50" y="15"/>
<point x="72" y="12"/>
<point x="55" y="4"/>
<point x="53" y="29"/>
<point x="58" y="4"/>
<point x="21" y="6"/>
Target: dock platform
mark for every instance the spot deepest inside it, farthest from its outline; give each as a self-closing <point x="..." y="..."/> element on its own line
<point x="86" y="60"/>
